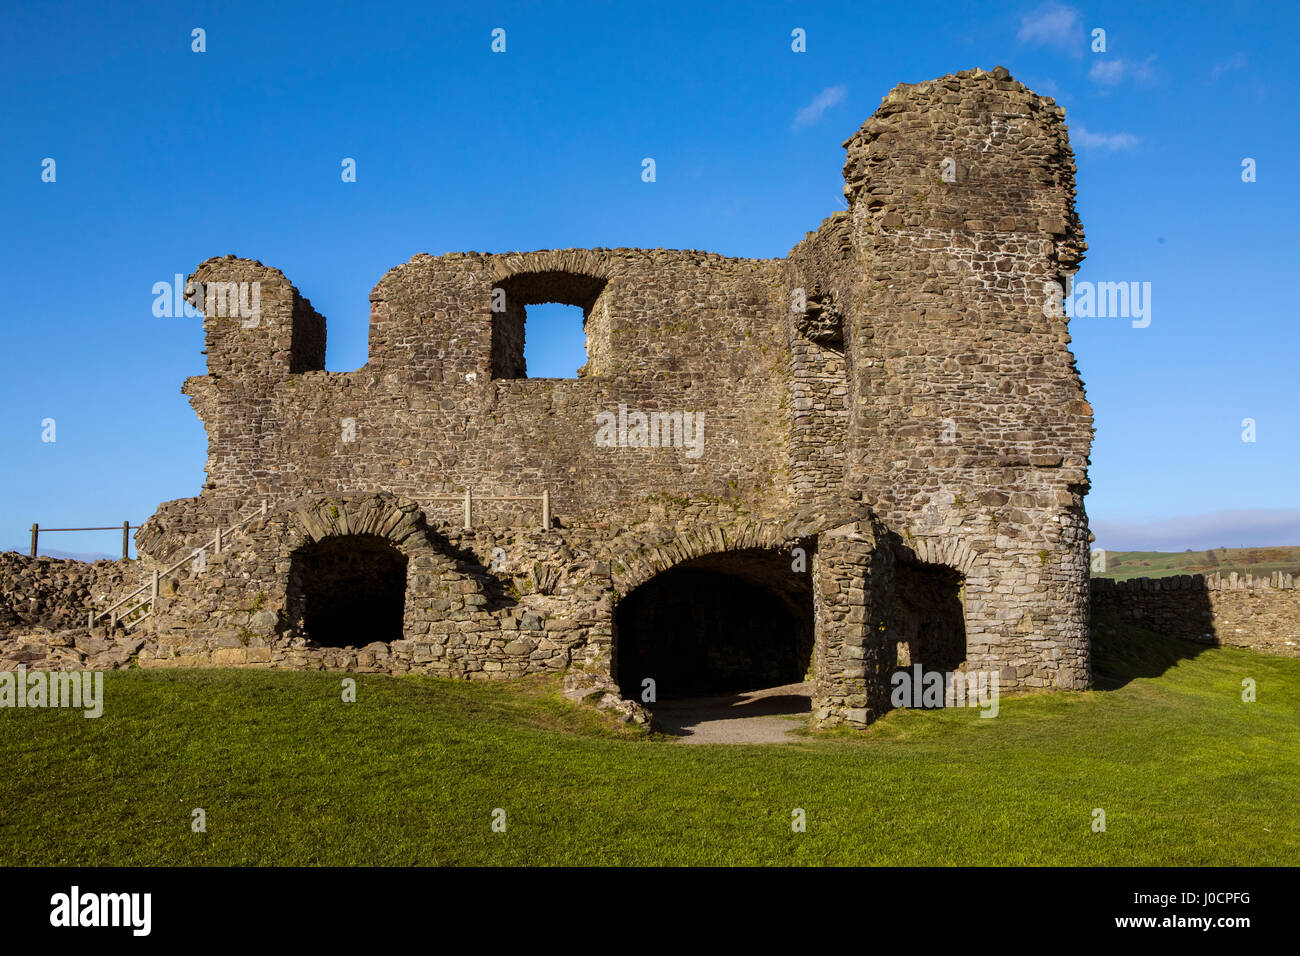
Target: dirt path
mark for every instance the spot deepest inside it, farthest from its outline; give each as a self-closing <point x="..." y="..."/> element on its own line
<point x="755" y="717"/>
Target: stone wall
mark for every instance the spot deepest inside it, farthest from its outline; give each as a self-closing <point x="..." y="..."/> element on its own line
<point x="441" y="406"/>
<point x="968" y="419"/>
<point x="503" y="602"/>
<point x="1240" y="610"/>
<point x="821" y="283"/>
<point x="853" y="585"/>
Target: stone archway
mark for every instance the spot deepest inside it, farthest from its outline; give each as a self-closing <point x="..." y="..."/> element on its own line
<point x="850" y="574"/>
<point x="353" y="565"/>
<point x="351" y="590"/>
<point x="929" y="616"/>
<point x="739" y="620"/>
<point x="928" y="623"/>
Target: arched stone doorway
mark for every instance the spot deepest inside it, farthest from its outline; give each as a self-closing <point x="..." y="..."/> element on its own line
<point x="723" y="622"/>
<point x="348" y="590"/>
<point x="930" y="622"/>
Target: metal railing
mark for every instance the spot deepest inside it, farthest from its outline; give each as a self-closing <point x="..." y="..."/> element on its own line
<point x="125" y="617"/>
<point x="126" y="534"/>
<point x="468" y="499"/>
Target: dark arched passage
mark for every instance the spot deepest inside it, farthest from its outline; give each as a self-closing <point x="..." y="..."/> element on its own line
<point x="348" y="590"/>
<point x="731" y="621"/>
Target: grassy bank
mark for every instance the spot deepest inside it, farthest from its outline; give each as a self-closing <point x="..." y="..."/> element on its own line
<point x="411" y="773"/>
<point x="1261" y="562"/>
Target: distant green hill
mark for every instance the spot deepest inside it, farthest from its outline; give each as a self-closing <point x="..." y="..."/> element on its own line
<point x="1261" y="562"/>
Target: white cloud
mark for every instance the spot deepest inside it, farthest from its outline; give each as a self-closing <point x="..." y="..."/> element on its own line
<point x="1053" y="24"/>
<point x="831" y="96"/>
<point x="1234" y="62"/>
<point x="1109" y="72"/>
<point x="1246" y="528"/>
<point x="1082" y="138"/>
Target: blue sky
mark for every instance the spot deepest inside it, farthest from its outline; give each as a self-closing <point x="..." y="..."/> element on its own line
<point x="165" y="157"/>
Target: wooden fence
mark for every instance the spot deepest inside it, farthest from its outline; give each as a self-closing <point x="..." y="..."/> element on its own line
<point x="468" y="499"/>
<point x="126" y="534"/>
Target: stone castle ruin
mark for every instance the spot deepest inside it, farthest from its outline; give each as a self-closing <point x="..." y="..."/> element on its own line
<point x="869" y="454"/>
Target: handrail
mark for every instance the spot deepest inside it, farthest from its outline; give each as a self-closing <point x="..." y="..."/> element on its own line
<point x="152" y="584"/>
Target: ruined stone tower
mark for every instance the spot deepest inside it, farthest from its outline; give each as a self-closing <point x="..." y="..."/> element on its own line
<point x="872" y="452"/>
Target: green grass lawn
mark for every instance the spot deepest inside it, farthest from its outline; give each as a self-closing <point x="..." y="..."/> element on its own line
<point x="410" y="774"/>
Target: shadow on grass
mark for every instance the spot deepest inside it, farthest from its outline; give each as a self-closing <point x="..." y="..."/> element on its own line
<point x="1122" y="653"/>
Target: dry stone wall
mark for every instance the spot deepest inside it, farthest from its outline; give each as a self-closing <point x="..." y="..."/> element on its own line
<point x="1240" y="610"/>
